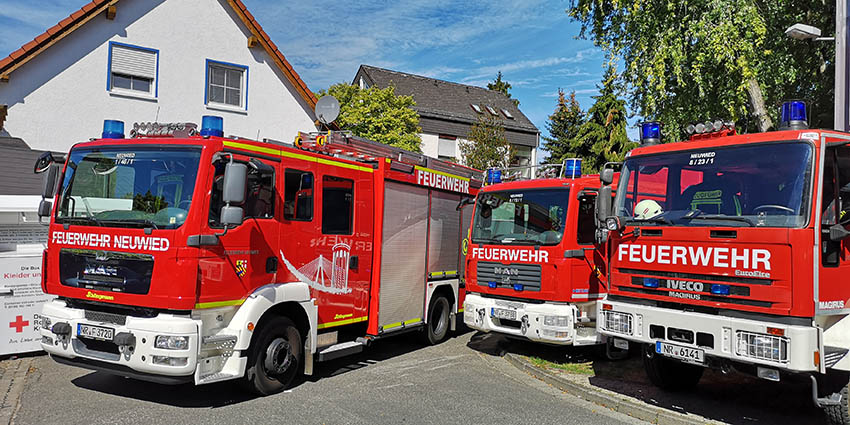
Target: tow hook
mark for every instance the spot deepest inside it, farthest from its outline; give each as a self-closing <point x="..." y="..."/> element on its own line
<point x="62" y="330"/>
<point x="833" y="399"/>
<point x="126" y="343"/>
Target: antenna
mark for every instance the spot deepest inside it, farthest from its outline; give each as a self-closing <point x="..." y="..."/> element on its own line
<point x="156" y="119"/>
<point x="327" y="109"/>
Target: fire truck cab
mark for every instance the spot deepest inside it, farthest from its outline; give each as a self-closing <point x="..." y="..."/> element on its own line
<point x="731" y="251"/>
<point x="532" y="263"/>
<point x="185" y="256"/>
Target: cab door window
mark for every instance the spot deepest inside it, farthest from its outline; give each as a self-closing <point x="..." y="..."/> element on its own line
<point x="259" y="195"/>
<point x="836" y="200"/>
<point x="298" y="195"/>
<point x="586" y="223"/>
<point x="337" y="205"/>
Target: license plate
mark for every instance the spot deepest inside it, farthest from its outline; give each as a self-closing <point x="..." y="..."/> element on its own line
<point x="501" y="313"/>
<point x="95" y="332"/>
<point x="688" y="354"/>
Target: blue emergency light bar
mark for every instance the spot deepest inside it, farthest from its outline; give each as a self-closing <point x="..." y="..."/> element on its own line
<point x="113" y="129"/>
<point x="212" y="126"/>
<point x="793" y="115"/>
<point x="573" y="168"/>
<point x="494" y="176"/>
<point x="650" y="133"/>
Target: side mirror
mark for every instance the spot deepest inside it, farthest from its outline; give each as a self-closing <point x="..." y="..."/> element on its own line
<point x="837" y="232"/>
<point x="45" y="207"/>
<point x="48" y="183"/>
<point x="603" y="204"/>
<point x="464" y="202"/>
<point x="606" y="176"/>
<point x="43" y="162"/>
<point x="231" y="216"/>
<point x="235" y="178"/>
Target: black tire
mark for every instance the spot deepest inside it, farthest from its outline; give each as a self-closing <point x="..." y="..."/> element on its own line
<point x="275" y="357"/>
<point x="669" y="374"/>
<point x="437" y="327"/>
<point x="840" y="414"/>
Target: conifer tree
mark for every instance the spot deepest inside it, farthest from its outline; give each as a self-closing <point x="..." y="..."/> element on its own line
<point x="563" y="127"/>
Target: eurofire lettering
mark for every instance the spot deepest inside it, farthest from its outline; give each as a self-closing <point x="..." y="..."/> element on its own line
<point x="505" y="254"/>
<point x="720" y="257"/>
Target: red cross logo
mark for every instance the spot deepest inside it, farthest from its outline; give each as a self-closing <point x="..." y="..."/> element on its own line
<point x="19" y="324"/>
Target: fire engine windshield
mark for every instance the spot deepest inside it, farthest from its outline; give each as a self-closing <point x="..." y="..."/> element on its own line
<point x="529" y="216"/>
<point x="116" y="186"/>
<point x="764" y="184"/>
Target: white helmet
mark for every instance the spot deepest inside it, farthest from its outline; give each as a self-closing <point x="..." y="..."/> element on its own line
<point x="647" y="209"/>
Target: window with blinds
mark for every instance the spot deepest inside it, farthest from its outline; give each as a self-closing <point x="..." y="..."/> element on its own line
<point x="132" y="69"/>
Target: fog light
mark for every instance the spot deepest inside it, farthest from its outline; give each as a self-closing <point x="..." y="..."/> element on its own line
<point x="767" y="373"/>
<point x="169" y="361"/>
<point x="551" y="333"/>
<point x="167" y="342"/>
<point x="46" y="340"/>
<point x="560" y="321"/>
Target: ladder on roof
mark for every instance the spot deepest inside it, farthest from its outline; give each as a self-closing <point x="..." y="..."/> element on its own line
<point x="343" y="143"/>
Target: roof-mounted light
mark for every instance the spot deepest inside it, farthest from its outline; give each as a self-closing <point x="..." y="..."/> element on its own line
<point x="793" y="116"/>
<point x="710" y="128"/>
<point x="113" y="129"/>
<point x="572" y="168"/>
<point x="494" y="175"/>
<point x="650" y="133"/>
<point x="212" y="126"/>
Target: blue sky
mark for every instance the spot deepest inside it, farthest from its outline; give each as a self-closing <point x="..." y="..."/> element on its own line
<point x="533" y="42"/>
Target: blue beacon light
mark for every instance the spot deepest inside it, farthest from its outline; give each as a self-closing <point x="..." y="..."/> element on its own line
<point x="494" y="176"/>
<point x="113" y="129"/>
<point x="650" y="282"/>
<point x="650" y="133"/>
<point x="212" y="126"/>
<point x="793" y="115"/>
<point x="573" y="168"/>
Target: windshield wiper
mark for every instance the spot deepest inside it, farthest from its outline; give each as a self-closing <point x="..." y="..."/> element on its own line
<point x="145" y="221"/>
<point x="657" y="220"/>
<point x="750" y="222"/>
<point x="81" y="220"/>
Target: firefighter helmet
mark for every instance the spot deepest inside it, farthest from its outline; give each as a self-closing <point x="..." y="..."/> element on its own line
<point x="647" y="209"/>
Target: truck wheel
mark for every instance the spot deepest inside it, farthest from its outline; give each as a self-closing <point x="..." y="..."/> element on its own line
<point x="840" y="414"/>
<point x="670" y="374"/>
<point x="438" y="320"/>
<point x="274" y="357"/>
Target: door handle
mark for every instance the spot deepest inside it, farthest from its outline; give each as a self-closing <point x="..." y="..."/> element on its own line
<point x="271" y="264"/>
<point x="353" y="262"/>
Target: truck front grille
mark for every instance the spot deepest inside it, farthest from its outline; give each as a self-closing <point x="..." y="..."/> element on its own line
<point x="498" y="275"/>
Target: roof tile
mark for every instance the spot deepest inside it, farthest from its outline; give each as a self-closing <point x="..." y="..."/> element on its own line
<point x="76" y="15"/>
<point x="30" y="46"/>
<point x="17" y="53"/>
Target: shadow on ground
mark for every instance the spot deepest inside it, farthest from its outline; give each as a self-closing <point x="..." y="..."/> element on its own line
<point x="229" y="392"/>
<point x="731" y="398"/>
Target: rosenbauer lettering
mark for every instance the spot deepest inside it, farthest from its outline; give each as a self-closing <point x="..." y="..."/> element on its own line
<point x="505" y="254"/>
<point x="719" y="257"/>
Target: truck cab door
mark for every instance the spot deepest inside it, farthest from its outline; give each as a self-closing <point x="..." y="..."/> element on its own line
<point x="245" y="256"/>
<point x="589" y="267"/>
<point x="835" y="210"/>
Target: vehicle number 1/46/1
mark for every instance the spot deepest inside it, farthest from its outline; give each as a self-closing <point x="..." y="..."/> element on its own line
<point x="502" y="313"/>
<point x="95" y="332"/>
<point x="687" y="354"/>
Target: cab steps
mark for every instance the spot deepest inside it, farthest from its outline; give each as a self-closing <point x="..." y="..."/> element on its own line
<point x="342" y="349"/>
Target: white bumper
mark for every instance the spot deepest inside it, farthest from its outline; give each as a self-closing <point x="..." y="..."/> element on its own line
<point x="138" y="358"/>
<point x="741" y="340"/>
<point x="561" y="324"/>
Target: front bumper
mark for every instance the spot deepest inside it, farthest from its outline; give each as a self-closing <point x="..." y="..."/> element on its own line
<point x="792" y="348"/>
<point x="138" y="359"/>
<point x="566" y="324"/>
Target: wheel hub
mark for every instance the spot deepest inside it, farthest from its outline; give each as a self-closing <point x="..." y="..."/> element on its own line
<point x="278" y="357"/>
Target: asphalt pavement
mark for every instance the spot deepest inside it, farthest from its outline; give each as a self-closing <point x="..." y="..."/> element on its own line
<point x="397" y="380"/>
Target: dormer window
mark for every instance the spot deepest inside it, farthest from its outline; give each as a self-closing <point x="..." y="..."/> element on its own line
<point x="476" y="108"/>
<point x="492" y="111"/>
<point x="507" y="114"/>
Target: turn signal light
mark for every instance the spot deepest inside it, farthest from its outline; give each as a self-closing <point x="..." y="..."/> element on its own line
<point x="607" y="307"/>
<point x="817" y="358"/>
<point x="776" y="331"/>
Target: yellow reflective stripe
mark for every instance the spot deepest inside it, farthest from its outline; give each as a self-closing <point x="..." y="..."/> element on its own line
<point x="443" y="273"/>
<point x="436" y="274"/>
<point x="344" y="165"/>
<point x="247" y="147"/>
<point x="219" y="304"/>
<point x="342" y="322"/>
<point x="460" y="310"/>
<point x="448" y="272"/>
<point x="406" y="322"/>
<point x="442" y="173"/>
<point x="286" y="154"/>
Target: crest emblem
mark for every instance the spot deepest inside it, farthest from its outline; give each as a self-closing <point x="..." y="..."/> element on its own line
<point x="241" y="267"/>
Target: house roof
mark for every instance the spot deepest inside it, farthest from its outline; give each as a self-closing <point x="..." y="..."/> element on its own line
<point x="77" y="19"/>
<point x="447" y="100"/>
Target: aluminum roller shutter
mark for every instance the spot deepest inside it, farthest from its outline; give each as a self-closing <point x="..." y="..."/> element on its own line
<point x="134" y="62"/>
<point x="465" y="223"/>
<point x="403" y="244"/>
<point x="444" y="235"/>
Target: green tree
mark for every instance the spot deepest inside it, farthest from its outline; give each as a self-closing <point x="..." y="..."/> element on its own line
<point x="486" y="145"/>
<point x="602" y="137"/>
<point x="694" y="60"/>
<point x="563" y="127"/>
<point x="377" y="114"/>
<point x="502" y="86"/>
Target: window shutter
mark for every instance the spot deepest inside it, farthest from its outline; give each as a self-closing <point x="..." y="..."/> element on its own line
<point x="134" y="62"/>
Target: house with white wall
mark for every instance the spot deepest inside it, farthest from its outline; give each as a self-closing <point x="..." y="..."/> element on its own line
<point x="447" y="111"/>
<point x="145" y="60"/>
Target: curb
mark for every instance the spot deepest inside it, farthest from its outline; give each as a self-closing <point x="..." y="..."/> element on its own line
<point x="637" y="410"/>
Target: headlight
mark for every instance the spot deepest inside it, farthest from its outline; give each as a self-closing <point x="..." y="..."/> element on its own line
<point x="169" y="361"/>
<point x="612" y="224"/>
<point x="167" y="342"/>
<point x="560" y="321"/>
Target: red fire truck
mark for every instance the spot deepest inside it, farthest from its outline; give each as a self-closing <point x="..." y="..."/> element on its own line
<point x="184" y="257"/>
<point x="532" y="260"/>
<point x="730" y="251"/>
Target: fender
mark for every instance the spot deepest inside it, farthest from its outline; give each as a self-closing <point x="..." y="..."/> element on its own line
<point x="433" y="286"/>
<point x="266" y="297"/>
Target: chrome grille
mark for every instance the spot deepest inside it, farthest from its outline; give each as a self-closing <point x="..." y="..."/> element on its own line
<point x="100" y="316"/>
<point x="506" y="275"/>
